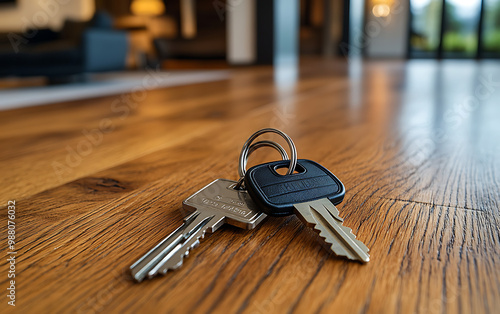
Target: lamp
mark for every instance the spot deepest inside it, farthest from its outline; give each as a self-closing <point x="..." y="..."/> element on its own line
<point x="381" y="8"/>
<point x="147" y="7"/>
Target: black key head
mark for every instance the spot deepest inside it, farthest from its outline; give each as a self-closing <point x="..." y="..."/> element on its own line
<point x="275" y="194"/>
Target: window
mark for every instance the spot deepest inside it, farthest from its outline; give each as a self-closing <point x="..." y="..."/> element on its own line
<point x="454" y="28"/>
<point x="425" y="27"/>
<point x="461" y="28"/>
<point x="491" y="28"/>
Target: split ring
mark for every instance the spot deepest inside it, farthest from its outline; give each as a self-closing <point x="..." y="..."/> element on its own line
<point x="246" y="148"/>
<point x="253" y="148"/>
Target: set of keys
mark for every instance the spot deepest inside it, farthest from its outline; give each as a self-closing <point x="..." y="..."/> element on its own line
<point x="307" y="190"/>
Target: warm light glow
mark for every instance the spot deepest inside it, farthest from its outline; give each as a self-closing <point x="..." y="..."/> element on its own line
<point x="381" y="10"/>
<point x="147" y="7"/>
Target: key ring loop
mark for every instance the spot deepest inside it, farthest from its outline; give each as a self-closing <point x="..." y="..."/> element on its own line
<point x="265" y="143"/>
<point x="254" y="147"/>
<point x="246" y="149"/>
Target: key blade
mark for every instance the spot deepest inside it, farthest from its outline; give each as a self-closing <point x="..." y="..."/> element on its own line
<point x="323" y="216"/>
<point x="143" y="266"/>
<point x="206" y="221"/>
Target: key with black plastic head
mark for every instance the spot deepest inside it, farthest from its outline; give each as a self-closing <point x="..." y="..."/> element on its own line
<point x="311" y="194"/>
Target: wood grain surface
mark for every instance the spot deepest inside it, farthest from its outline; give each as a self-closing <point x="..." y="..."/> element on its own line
<point x="98" y="182"/>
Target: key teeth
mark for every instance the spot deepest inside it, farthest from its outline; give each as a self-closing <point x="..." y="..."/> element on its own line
<point x="188" y="248"/>
<point x="360" y="243"/>
<point x="169" y="254"/>
<point x="336" y="248"/>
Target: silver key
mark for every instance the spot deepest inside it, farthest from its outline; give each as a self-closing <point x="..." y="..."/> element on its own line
<point x="214" y="205"/>
<point x="217" y="203"/>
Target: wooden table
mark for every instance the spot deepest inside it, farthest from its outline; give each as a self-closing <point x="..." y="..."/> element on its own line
<point x="98" y="182"/>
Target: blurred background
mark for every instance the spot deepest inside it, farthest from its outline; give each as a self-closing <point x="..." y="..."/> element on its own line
<point x="66" y="42"/>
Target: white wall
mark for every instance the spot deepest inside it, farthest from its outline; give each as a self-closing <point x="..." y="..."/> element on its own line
<point x="43" y="13"/>
<point x="240" y="25"/>
<point x="386" y="37"/>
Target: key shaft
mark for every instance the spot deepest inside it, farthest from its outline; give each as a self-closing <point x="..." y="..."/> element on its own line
<point x="206" y="221"/>
<point x="143" y="266"/>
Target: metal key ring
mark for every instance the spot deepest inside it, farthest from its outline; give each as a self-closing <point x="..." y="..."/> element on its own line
<point x="265" y="143"/>
<point x="253" y="148"/>
<point x="246" y="148"/>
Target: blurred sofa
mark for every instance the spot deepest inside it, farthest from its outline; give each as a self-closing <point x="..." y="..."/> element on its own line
<point x="80" y="47"/>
